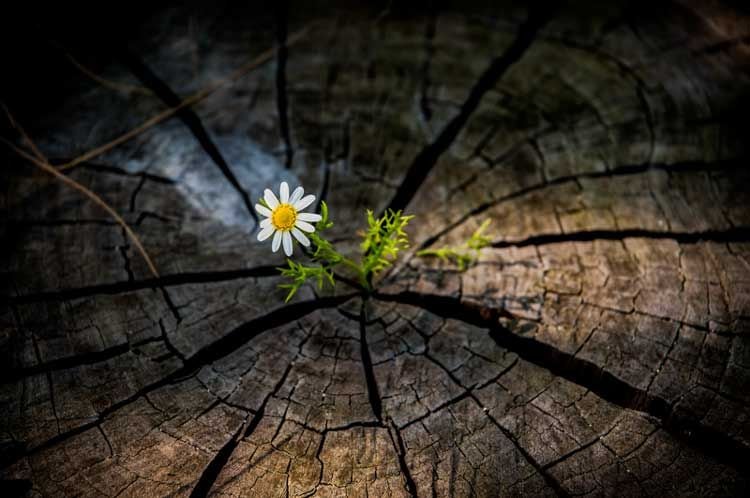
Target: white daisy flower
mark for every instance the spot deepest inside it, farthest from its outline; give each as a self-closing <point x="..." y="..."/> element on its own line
<point x="284" y="218"/>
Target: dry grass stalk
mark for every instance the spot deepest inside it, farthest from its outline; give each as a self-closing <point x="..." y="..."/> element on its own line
<point x="189" y="101"/>
<point x="114" y="85"/>
<point x="39" y="160"/>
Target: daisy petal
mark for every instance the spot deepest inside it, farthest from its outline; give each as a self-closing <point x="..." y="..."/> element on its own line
<point x="303" y="225"/>
<point x="284" y="192"/>
<point x="300" y="237"/>
<point x="265" y="223"/>
<point x="287" y="241"/>
<point x="270" y="198"/>
<point x="296" y="195"/>
<point x="263" y="210"/>
<point x="265" y="233"/>
<point x="304" y="202"/>
<point x="276" y="241"/>
<point x="311" y="217"/>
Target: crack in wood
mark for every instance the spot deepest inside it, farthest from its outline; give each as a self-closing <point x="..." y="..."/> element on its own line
<point x="468" y="393"/>
<point x="428" y="157"/>
<point x="373" y="393"/>
<point x="734" y="234"/>
<point x="216" y="465"/>
<point x="163" y="281"/>
<point x="624" y="170"/>
<point x="113" y="170"/>
<point x="398" y="443"/>
<point x="190" y="119"/>
<point x="719" y="446"/>
<point x="553" y="483"/>
<point x="210" y="353"/>
<point x="10" y="375"/>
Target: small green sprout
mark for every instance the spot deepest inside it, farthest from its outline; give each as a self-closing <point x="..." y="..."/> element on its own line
<point x="300" y="274"/>
<point x="323" y="253"/>
<point x="466" y="255"/>
<point x="382" y="241"/>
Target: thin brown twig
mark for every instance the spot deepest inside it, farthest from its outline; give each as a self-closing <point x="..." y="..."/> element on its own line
<point x="189" y="101"/>
<point x="30" y="143"/>
<point x="114" y="85"/>
<point x="39" y="160"/>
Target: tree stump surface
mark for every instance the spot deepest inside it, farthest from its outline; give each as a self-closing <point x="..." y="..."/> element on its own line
<point x="599" y="346"/>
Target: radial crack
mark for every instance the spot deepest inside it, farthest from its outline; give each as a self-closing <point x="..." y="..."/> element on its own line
<point x="624" y="170"/>
<point x="586" y="374"/>
<point x="8" y="375"/>
<point x="148" y="283"/>
<point x="541" y="470"/>
<point x="114" y="170"/>
<point x="217" y="464"/>
<point x="376" y="403"/>
<point x="429" y="156"/>
<point x="206" y="355"/>
<point x="468" y="392"/>
<point x="398" y="443"/>
<point x="373" y="392"/>
<point x="214" y="467"/>
<point x="735" y="234"/>
<point x="190" y="119"/>
<point x="249" y="330"/>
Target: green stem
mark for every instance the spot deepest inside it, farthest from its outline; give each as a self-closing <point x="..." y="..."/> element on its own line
<point x="359" y="271"/>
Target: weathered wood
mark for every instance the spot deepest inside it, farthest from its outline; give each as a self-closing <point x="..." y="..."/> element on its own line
<point x="599" y="347"/>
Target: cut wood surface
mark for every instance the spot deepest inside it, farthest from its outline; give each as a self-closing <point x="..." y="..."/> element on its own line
<point x="600" y="345"/>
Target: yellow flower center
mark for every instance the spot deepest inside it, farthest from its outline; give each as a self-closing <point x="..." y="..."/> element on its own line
<point x="283" y="217"/>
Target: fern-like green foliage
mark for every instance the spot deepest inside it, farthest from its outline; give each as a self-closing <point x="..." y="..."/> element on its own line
<point x="382" y="241"/>
<point x="462" y="259"/>
<point x="323" y="254"/>
<point x="300" y="274"/>
<point x="467" y="254"/>
<point x="384" y="238"/>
